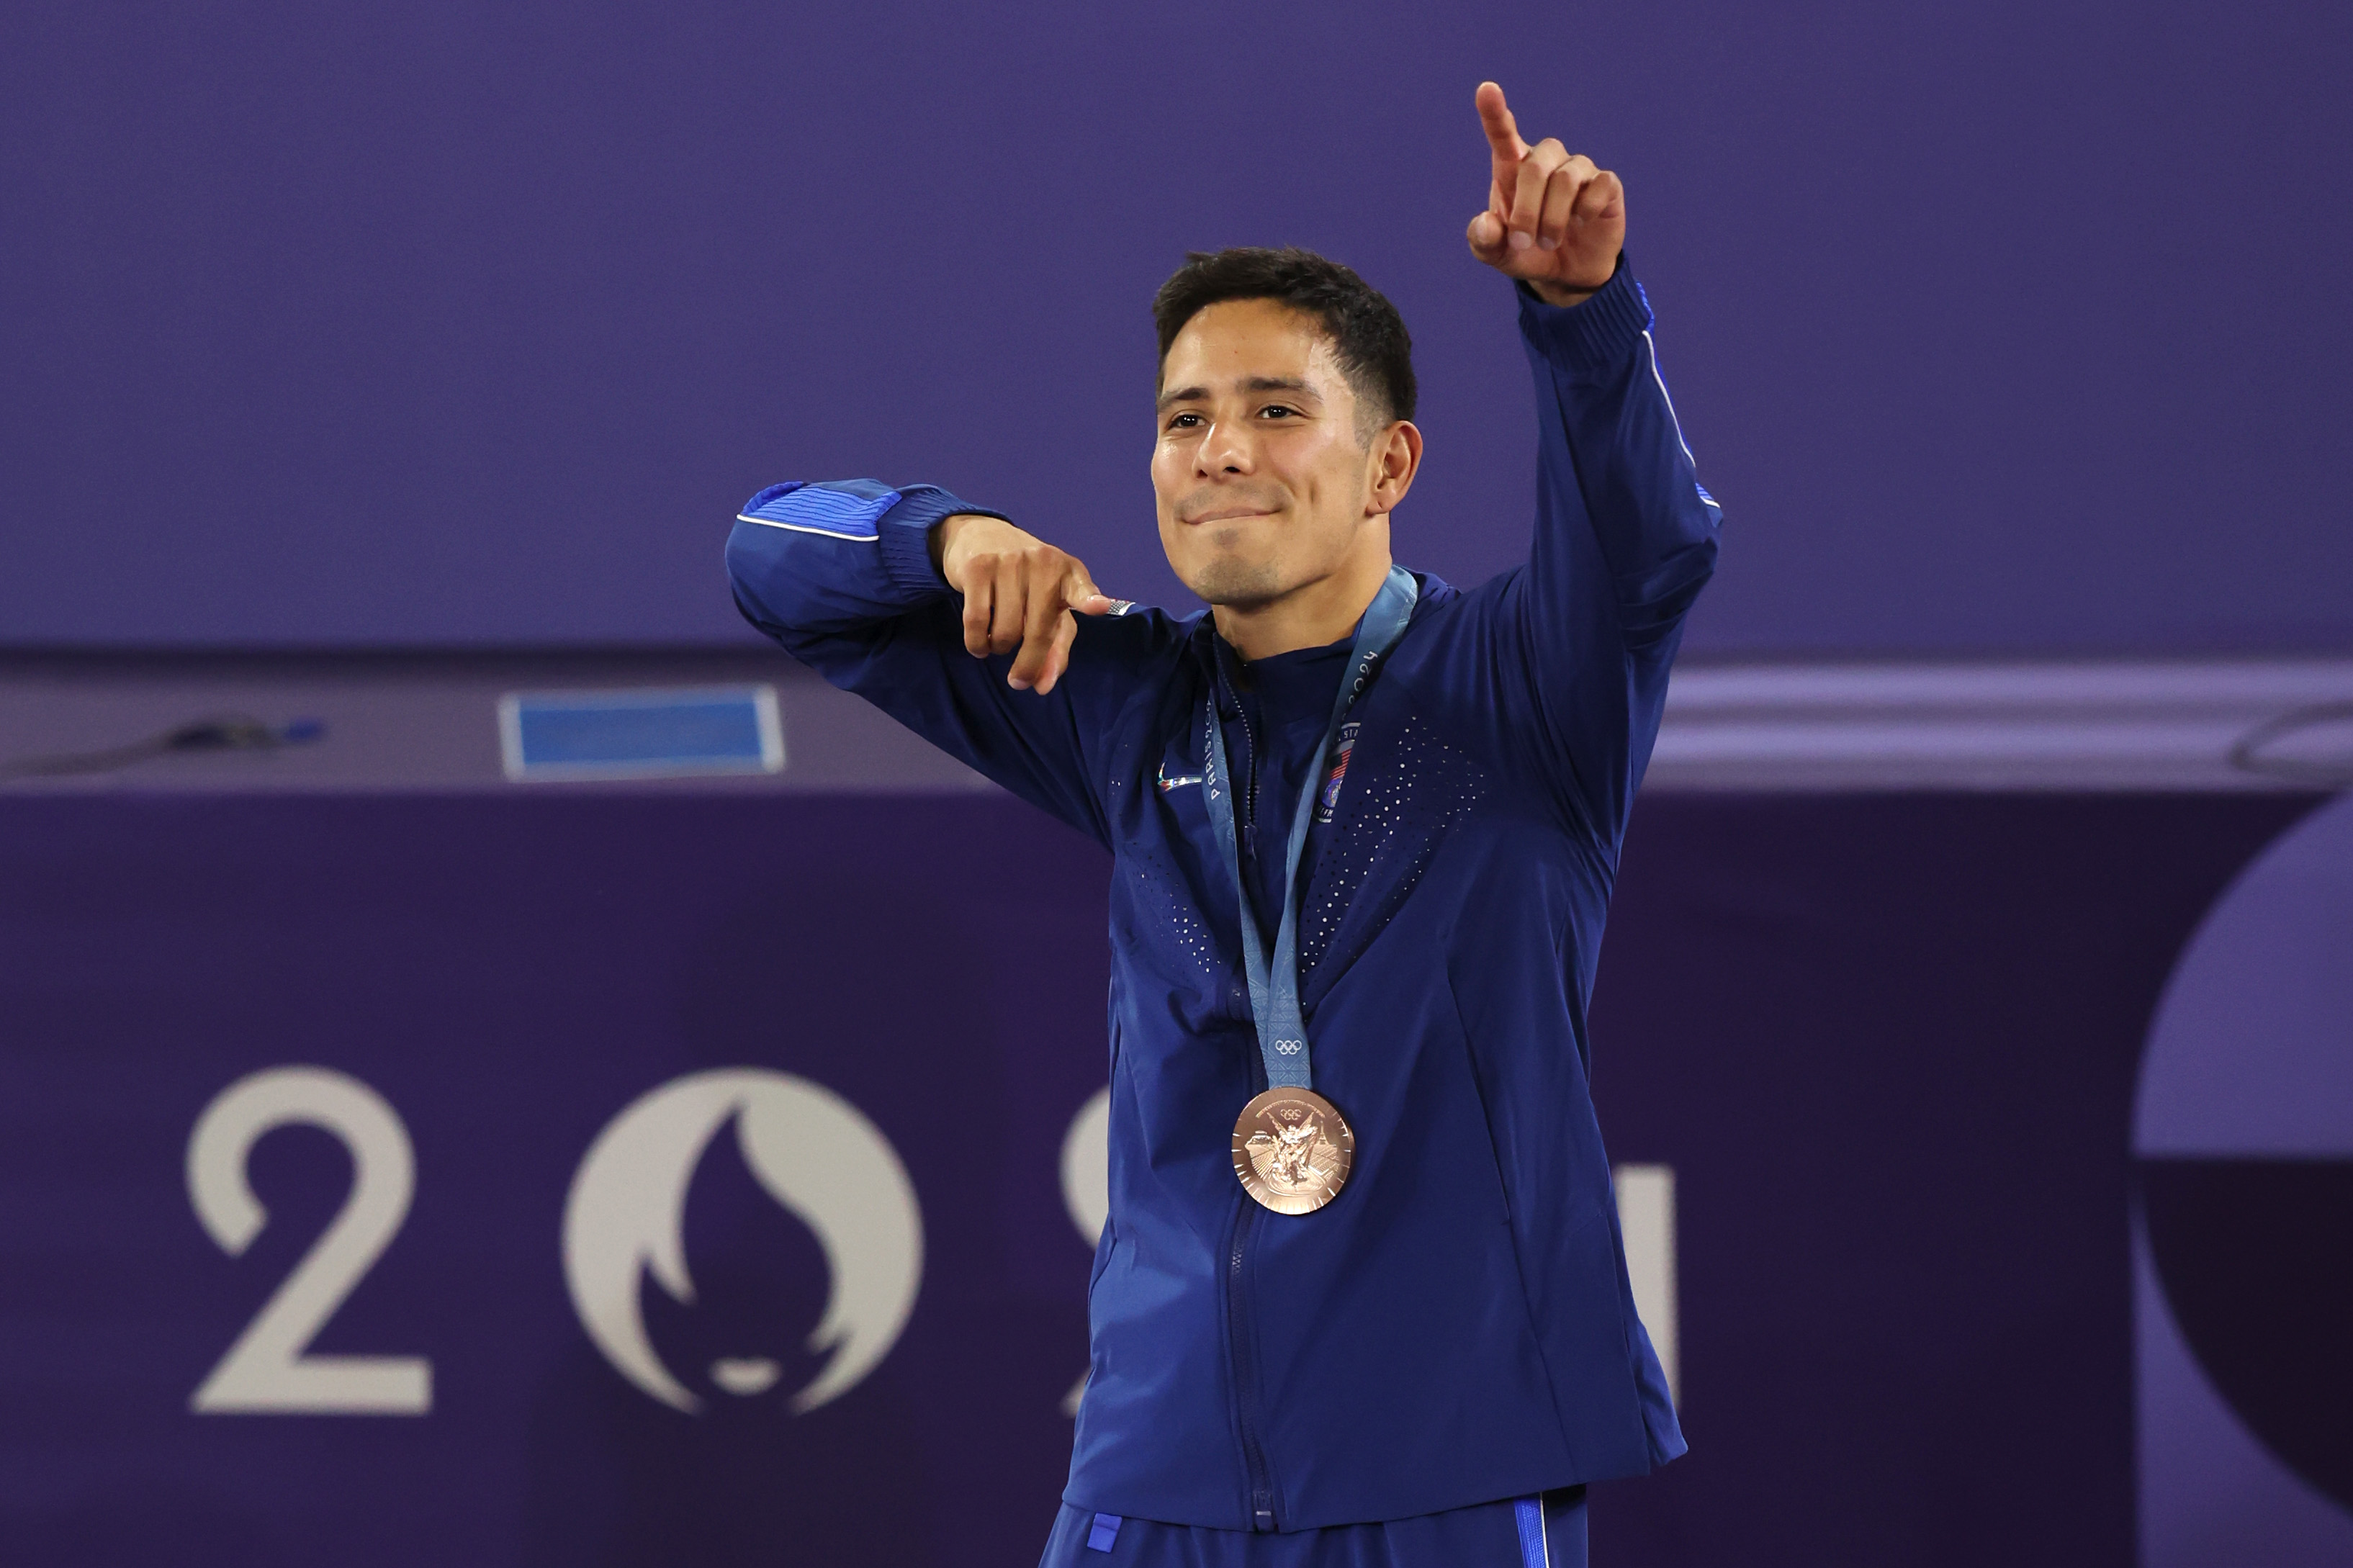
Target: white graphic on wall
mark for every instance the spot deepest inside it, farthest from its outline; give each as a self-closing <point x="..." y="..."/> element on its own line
<point x="2242" y="1134"/>
<point x="267" y="1368"/>
<point x="1646" y="1223"/>
<point x="1086" y="1188"/>
<point x="814" y="1152"/>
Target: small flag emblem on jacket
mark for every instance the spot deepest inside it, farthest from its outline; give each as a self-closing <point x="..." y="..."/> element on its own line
<point x="1329" y="799"/>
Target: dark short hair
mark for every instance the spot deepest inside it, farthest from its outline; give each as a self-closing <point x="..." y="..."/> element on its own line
<point x="1367" y="335"/>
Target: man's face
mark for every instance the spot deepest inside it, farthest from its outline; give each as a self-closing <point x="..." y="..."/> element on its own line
<point x="1262" y="483"/>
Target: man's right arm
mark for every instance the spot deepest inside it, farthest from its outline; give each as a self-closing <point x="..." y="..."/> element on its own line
<point x="949" y="618"/>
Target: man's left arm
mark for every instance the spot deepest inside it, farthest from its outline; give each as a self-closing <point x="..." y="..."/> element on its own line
<point x="1625" y="537"/>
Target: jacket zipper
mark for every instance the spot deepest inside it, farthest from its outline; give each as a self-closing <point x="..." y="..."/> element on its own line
<point x="1250" y="796"/>
<point x="1261" y="1484"/>
<point x="1238" y="1312"/>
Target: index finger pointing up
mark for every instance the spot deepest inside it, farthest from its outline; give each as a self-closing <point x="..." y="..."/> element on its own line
<point x="1502" y="130"/>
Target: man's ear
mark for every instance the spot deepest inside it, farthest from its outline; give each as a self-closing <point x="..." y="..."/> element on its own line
<point x="1395" y="458"/>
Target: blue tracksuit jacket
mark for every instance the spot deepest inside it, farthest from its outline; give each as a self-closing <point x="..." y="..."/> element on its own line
<point x="1456" y="1327"/>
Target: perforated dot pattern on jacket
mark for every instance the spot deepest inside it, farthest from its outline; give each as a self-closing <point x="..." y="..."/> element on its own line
<point x="1378" y="850"/>
<point x="1159" y="893"/>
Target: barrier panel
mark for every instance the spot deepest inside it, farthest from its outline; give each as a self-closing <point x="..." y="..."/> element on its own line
<point x="642" y="1178"/>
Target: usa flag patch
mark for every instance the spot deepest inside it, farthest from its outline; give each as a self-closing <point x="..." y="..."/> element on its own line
<point x="1329" y="799"/>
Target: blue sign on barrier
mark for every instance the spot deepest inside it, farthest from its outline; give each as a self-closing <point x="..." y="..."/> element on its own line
<point x="640" y="733"/>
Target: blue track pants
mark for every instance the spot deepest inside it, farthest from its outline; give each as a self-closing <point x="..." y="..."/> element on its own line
<point x="1531" y="1533"/>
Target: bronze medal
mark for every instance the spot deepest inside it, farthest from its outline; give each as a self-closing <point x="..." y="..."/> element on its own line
<point x="1292" y="1150"/>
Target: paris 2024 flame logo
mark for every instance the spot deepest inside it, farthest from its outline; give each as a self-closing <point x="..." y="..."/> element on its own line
<point x="812" y="1151"/>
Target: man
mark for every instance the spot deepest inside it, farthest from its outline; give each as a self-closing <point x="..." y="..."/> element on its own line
<point x="1361" y="1298"/>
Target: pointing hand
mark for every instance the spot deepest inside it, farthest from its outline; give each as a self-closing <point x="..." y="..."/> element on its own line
<point x="1553" y="220"/>
<point x="1018" y="592"/>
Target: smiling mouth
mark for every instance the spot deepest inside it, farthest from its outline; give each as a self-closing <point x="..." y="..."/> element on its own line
<point x="1226" y="514"/>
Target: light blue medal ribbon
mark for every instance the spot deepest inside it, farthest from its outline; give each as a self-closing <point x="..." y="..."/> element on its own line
<point x="1275" y="987"/>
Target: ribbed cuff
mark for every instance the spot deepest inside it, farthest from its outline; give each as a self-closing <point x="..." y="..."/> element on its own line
<point x="905" y="537"/>
<point x="1595" y="337"/>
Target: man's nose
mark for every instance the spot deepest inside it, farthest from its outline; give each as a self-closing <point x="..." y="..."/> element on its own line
<point x="1225" y="449"/>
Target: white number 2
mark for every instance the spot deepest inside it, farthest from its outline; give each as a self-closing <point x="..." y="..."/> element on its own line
<point x="266" y="1369"/>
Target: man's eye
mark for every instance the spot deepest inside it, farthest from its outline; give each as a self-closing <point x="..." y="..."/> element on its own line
<point x="1276" y="411"/>
<point x="1184" y="422"/>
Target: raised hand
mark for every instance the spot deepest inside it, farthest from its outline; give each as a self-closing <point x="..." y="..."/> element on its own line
<point x="1018" y="592"/>
<point x="1553" y="219"/>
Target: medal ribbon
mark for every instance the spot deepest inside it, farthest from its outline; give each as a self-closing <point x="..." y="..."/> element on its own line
<point x="1275" y="987"/>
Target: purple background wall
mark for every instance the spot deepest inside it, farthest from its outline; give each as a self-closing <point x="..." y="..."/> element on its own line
<point x="2010" y="324"/>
